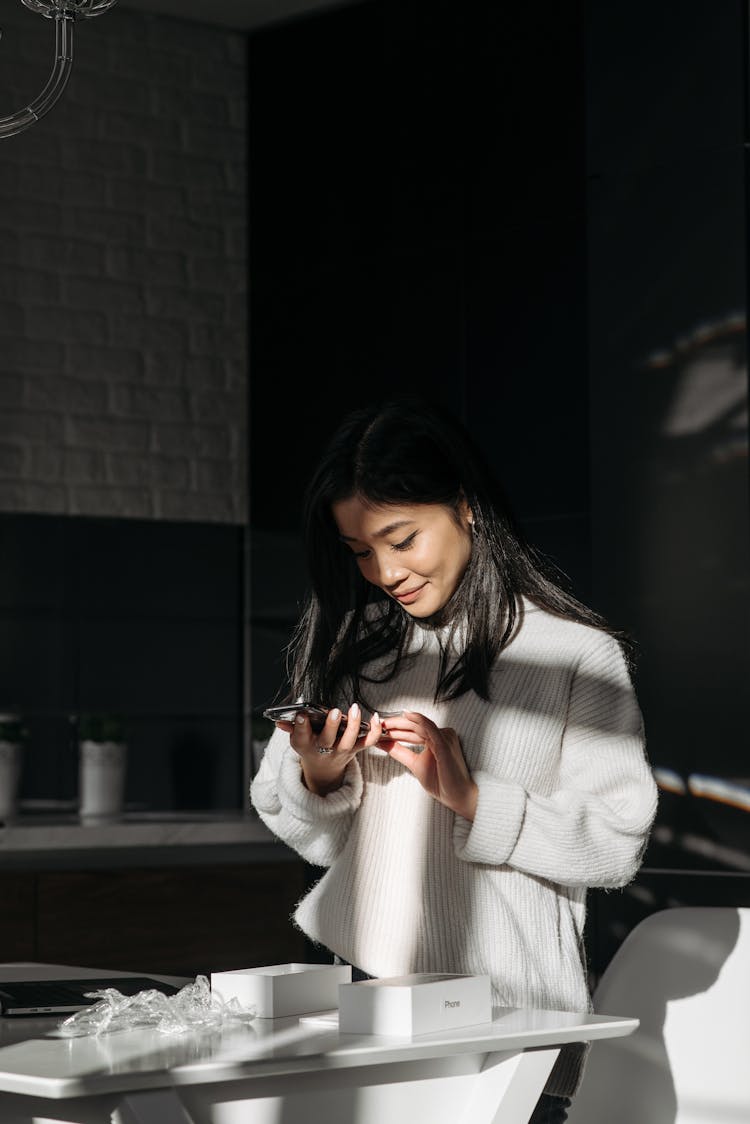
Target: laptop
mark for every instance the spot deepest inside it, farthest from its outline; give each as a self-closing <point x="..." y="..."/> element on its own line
<point x="63" y="997"/>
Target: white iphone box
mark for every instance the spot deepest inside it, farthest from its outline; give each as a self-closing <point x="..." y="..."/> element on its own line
<point x="278" y="990"/>
<point x="415" y="1004"/>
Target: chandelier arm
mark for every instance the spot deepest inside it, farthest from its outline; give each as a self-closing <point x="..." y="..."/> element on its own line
<point x="56" y="83"/>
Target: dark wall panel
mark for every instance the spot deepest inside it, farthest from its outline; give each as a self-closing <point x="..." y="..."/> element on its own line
<point x="138" y="619"/>
<point x="667" y="238"/>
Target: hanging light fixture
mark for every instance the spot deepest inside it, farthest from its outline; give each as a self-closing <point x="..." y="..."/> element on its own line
<point x="64" y="13"/>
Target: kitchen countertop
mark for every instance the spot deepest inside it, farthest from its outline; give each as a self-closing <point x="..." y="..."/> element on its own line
<point x="146" y="838"/>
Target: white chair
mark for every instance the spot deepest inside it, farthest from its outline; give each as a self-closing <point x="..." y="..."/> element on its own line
<point x="685" y="974"/>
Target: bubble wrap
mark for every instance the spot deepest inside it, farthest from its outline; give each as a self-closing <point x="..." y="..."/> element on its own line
<point x="193" y="1007"/>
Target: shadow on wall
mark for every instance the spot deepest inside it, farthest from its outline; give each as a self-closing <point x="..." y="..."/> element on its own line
<point x="704" y="822"/>
<point x="686" y="554"/>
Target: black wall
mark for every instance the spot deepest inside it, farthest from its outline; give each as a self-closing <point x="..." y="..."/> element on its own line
<point x="417" y="213"/>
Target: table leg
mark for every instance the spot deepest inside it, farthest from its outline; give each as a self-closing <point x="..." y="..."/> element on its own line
<point x="508" y="1087"/>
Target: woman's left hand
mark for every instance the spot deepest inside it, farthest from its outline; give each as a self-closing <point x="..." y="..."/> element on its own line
<point x="440" y="768"/>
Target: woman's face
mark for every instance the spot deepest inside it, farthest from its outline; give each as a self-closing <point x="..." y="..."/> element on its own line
<point x="417" y="554"/>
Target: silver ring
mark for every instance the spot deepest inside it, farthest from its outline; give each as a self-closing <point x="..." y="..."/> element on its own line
<point x="323" y="749"/>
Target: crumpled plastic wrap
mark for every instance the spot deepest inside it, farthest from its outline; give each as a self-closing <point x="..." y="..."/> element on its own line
<point x="193" y="1007"/>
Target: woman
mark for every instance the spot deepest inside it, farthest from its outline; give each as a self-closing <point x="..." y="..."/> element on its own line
<point x="504" y="768"/>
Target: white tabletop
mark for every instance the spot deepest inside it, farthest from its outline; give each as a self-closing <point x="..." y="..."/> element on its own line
<point x="36" y="1061"/>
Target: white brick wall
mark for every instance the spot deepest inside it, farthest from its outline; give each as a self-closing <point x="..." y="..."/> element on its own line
<point x="123" y="272"/>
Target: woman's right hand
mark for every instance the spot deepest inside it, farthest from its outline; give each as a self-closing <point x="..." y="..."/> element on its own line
<point x="324" y="756"/>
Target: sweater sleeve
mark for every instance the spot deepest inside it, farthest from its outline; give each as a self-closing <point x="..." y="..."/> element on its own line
<point x="316" y="827"/>
<point x="593" y="827"/>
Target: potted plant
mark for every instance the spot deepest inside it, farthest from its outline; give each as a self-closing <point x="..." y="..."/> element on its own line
<point x="102" y="760"/>
<point x="100" y="728"/>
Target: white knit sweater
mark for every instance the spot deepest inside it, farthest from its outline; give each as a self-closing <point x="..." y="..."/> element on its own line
<point x="566" y="801"/>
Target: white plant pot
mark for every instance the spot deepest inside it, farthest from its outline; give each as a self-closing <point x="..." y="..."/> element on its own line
<point x="101" y="780"/>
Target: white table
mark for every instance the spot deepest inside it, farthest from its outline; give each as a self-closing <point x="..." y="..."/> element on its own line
<point x="282" y="1071"/>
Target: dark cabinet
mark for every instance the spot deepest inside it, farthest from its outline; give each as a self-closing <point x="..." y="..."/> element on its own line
<point x="179" y="920"/>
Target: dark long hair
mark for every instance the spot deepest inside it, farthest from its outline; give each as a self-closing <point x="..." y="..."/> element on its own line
<point x="409" y="451"/>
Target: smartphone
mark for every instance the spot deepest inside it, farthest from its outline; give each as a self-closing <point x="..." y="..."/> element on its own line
<point x="316" y="712"/>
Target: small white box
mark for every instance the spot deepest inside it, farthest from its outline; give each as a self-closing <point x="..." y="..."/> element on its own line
<point x="277" y="990"/>
<point x="414" y="1004"/>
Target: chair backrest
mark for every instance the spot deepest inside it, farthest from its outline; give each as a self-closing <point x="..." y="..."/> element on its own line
<point x="685" y="974"/>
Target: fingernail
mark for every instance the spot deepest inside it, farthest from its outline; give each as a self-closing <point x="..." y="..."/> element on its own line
<point x="376" y="717"/>
<point x="335" y="713"/>
<point x="354" y="710"/>
<point x="300" y="718"/>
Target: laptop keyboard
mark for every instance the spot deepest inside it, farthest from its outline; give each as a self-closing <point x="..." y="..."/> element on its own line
<point x="71" y="993"/>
